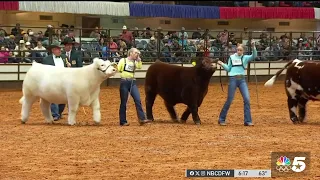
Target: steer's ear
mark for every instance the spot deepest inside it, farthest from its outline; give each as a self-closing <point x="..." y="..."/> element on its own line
<point x="96" y="62"/>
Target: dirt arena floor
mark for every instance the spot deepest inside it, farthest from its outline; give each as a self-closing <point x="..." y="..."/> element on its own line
<point x="161" y="150"/>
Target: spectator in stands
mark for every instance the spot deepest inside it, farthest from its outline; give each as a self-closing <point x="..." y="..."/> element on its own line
<point x="316" y="52"/>
<point x="224" y="37"/>
<point x="16" y="30"/>
<point x="271" y="53"/>
<point x="214" y="51"/>
<point x="64" y="30"/>
<point x="166" y="50"/>
<point x="22" y="52"/>
<point x="126" y="36"/>
<point x="40" y="36"/>
<point x="284" y="47"/>
<point x="29" y="30"/>
<point x="103" y="32"/>
<point x="4" y="54"/>
<point x="70" y="35"/>
<point x="183" y="41"/>
<point x="49" y="32"/>
<point x="182" y="34"/>
<point x="152" y="47"/>
<point x="232" y="39"/>
<point x="100" y="44"/>
<point x="71" y="28"/>
<point x="28" y="54"/>
<point x="3" y="41"/>
<point x="159" y="33"/>
<point x="25" y="37"/>
<point x="229" y="50"/>
<point x="123" y="48"/>
<point x="3" y="32"/>
<point x="39" y="48"/>
<point x="245" y="34"/>
<point x="197" y="34"/>
<point x="105" y="51"/>
<point x="113" y="47"/>
<point x="58" y="35"/>
<point x="11" y="44"/>
<point x="146" y="34"/>
<point x="302" y="54"/>
<point x="207" y="35"/>
<point x="32" y="39"/>
<point x="95" y="33"/>
<point x="135" y="32"/>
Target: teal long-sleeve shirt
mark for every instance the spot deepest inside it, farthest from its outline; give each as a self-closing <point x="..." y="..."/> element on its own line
<point x="239" y="70"/>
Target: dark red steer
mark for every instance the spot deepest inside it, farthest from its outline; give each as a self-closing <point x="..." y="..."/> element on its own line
<point x="177" y="84"/>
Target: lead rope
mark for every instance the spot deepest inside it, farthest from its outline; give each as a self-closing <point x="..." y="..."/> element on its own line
<point x="134" y="68"/>
<point x="255" y="74"/>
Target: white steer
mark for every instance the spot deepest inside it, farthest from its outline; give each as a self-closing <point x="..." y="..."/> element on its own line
<point x="73" y="86"/>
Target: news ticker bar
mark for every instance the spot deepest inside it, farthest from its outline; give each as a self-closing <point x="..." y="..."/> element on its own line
<point x="228" y="173"/>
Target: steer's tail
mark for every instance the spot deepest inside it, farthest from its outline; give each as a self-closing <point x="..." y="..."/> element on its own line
<point x="271" y="81"/>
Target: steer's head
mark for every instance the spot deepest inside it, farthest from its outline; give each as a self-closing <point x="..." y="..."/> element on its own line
<point x="207" y="63"/>
<point x="106" y="67"/>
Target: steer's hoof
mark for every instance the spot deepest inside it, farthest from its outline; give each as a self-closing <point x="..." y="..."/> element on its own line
<point x="72" y="124"/>
<point x="175" y="120"/>
<point x="296" y="122"/>
<point x="183" y="121"/>
<point x="22" y="122"/>
<point x="97" y="123"/>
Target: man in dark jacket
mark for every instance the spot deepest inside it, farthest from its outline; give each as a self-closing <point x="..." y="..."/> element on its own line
<point x="59" y="60"/>
<point x="74" y="57"/>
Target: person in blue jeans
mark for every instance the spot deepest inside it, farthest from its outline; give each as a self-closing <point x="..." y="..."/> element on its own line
<point x="127" y="67"/>
<point x="236" y="69"/>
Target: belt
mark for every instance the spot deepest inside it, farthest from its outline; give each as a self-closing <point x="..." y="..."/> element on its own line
<point x="128" y="79"/>
<point x="240" y="76"/>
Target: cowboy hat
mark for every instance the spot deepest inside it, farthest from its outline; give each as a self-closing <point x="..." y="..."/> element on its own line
<point x="68" y="41"/>
<point x="52" y="46"/>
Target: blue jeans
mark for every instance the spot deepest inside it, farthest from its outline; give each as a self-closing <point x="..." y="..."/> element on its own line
<point x="235" y="82"/>
<point x="57" y="109"/>
<point x="125" y="86"/>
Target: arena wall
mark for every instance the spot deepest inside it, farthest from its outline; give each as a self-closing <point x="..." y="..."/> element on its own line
<point x="12" y="75"/>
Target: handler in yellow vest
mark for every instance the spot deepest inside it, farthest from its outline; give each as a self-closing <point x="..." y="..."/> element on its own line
<point x="127" y="67"/>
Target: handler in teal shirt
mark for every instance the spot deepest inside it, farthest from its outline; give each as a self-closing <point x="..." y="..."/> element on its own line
<point x="236" y="66"/>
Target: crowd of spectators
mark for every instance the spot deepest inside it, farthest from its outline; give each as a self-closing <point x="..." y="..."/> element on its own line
<point x="173" y="46"/>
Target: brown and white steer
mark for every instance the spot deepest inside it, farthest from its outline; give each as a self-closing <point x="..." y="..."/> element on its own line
<point x="302" y="84"/>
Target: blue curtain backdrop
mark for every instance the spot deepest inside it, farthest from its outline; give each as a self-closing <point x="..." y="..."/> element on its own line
<point x="174" y="11"/>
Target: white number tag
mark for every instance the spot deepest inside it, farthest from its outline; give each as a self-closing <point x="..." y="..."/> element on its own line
<point x="236" y="62"/>
<point x="129" y="68"/>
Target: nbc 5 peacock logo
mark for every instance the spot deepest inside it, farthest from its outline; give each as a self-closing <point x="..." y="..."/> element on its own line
<point x="284" y="164"/>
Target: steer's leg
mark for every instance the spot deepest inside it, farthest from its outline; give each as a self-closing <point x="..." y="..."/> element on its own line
<point x="96" y="111"/>
<point x="172" y="112"/>
<point x="185" y="115"/>
<point x="292" y="105"/>
<point x="195" y="115"/>
<point x="302" y="108"/>
<point x="73" y="105"/>
<point x="26" y="107"/>
<point x="150" y="98"/>
<point x="46" y="111"/>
